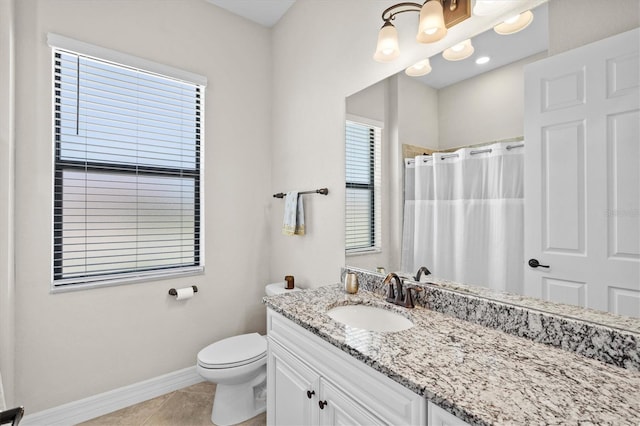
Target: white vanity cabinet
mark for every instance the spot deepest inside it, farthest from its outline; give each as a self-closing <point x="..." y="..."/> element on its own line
<point x="311" y="382"/>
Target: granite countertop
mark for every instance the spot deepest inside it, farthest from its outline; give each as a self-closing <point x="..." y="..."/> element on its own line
<point x="479" y="374"/>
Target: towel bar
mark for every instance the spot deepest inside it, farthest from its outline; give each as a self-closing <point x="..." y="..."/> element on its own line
<point x="323" y="191"/>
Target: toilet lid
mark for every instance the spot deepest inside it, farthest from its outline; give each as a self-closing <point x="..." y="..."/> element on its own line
<point x="233" y="351"/>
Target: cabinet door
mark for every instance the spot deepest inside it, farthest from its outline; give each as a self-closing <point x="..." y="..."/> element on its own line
<point x="338" y="408"/>
<point x="292" y="390"/>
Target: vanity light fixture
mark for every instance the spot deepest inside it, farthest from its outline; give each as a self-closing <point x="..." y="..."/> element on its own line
<point x="459" y="51"/>
<point x="419" y="69"/>
<point x="515" y="23"/>
<point x="435" y="17"/>
<point x="482" y="60"/>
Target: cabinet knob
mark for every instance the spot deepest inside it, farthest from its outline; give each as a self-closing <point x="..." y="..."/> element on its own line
<point x="310" y="394"/>
<point x="322" y="404"/>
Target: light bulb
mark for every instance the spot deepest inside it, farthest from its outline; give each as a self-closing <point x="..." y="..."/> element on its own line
<point x="431" y="27"/>
<point x="459" y="52"/>
<point x="387" y="49"/>
<point x="512" y="19"/>
<point x="419" y="69"/>
<point x="515" y="23"/>
<point x="482" y="60"/>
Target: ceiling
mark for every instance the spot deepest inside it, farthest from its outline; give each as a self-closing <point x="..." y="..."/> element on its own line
<point x="264" y="12"/>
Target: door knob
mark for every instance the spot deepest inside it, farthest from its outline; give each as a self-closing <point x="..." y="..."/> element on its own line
<point x="310" y="394"/>
<point x="534" y="264"/>
<point x="322" y="404"/>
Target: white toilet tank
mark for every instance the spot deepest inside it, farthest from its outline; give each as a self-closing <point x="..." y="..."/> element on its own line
<point x="277" y="288"/>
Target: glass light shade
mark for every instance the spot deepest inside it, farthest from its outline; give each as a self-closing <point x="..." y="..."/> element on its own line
<point x="387" y="49"/>
<point x="459" y="51"/>
<point x="418" y="69"/>
<point x="490" y="7"/>
<point x="515" y="24"/>
<point x="431" y="27"/>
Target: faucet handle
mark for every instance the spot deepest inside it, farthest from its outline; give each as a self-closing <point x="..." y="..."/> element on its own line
<point x="391" y="294"/>
<point x="408" y="298"/>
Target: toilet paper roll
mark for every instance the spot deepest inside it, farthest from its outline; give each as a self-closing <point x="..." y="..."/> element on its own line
<point x="184" y="293"/>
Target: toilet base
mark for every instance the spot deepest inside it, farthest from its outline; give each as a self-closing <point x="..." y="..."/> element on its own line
<point x="233" y="404"/>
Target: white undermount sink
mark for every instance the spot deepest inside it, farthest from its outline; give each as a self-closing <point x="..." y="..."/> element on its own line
<point x="369" y="318"/>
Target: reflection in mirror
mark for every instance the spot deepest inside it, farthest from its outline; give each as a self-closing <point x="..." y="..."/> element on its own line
<point x="458" y="212"/>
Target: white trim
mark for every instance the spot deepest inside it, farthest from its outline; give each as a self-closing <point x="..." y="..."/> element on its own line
<point x="73" y="284"/>
<point x="357" y="119"/>
<point x="116" y="399"/>
<point x="76" y="46"/>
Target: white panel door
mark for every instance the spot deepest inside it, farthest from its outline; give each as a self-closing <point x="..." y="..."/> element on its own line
<point x="582" y="176"/>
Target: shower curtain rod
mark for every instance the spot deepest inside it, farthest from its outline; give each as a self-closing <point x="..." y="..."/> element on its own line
<point x="477" y="145"/>
<point x="323" y="191"/>
<point x="479" y="151"/>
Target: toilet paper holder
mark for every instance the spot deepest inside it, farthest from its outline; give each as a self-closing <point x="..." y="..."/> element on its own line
<point x="174" y="292"/>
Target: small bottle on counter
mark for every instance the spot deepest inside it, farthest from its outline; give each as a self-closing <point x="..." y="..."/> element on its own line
<point x="289" y="284"/>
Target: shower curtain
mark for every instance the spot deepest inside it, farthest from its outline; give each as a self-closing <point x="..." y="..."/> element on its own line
<point x="463" y="215"/>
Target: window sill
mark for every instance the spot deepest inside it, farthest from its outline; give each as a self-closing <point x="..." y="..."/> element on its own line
<point x="65" y="286"/>
<point x="363" y="252"/>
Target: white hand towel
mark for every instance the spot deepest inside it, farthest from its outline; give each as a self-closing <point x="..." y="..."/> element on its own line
<point x="293" y="223"/>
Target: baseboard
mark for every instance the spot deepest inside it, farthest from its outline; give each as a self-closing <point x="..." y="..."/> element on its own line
<point x="107" y="402"/>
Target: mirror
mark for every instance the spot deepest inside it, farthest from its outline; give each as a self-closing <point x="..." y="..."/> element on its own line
<point x="456" y="105"/>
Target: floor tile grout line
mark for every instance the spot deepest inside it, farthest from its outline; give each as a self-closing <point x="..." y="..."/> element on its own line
<point x="171" y="395"/>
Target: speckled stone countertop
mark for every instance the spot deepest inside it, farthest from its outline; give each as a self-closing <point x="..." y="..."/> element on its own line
<point x="481" y="375"/>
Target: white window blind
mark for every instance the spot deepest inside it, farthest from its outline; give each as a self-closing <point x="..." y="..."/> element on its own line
<point x="362" y="187"/>
<point x="127" y="171"/>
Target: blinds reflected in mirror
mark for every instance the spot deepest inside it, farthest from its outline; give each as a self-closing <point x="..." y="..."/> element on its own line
<point x="363" y="177"/>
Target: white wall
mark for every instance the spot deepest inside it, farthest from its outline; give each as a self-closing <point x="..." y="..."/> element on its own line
<point x="73" y="345"/>
<point x="574" y="23"/>
<point x="485" y="108"/>
<point x="417" y="113"/>
<point x="7" y="146"/>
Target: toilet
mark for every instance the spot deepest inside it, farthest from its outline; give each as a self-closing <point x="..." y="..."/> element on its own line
<point x="238" y="365"/>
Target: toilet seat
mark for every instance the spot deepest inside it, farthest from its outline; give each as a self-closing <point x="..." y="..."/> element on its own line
<point x="233" y="351"/>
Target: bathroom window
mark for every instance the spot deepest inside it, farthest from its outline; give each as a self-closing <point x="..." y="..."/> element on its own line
<point x="127" y="184"/>
<point x="362" y="185"/>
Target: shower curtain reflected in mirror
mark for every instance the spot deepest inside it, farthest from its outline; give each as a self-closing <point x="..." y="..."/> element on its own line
<point x="463" y="215"/>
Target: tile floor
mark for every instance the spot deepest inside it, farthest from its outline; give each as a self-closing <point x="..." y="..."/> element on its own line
<point x="185" y="407"/>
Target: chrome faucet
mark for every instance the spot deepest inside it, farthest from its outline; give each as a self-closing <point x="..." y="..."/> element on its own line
<point x="424" y="270"/>
<point x="398" y="297"/>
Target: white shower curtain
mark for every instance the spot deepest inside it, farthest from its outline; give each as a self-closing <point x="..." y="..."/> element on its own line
<point x="463" y="215"/>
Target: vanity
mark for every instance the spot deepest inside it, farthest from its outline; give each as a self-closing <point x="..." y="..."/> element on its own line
<point x="442" y="370"/>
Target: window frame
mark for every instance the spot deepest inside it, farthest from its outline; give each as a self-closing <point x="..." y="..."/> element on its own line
<point x="60" y="165"/>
